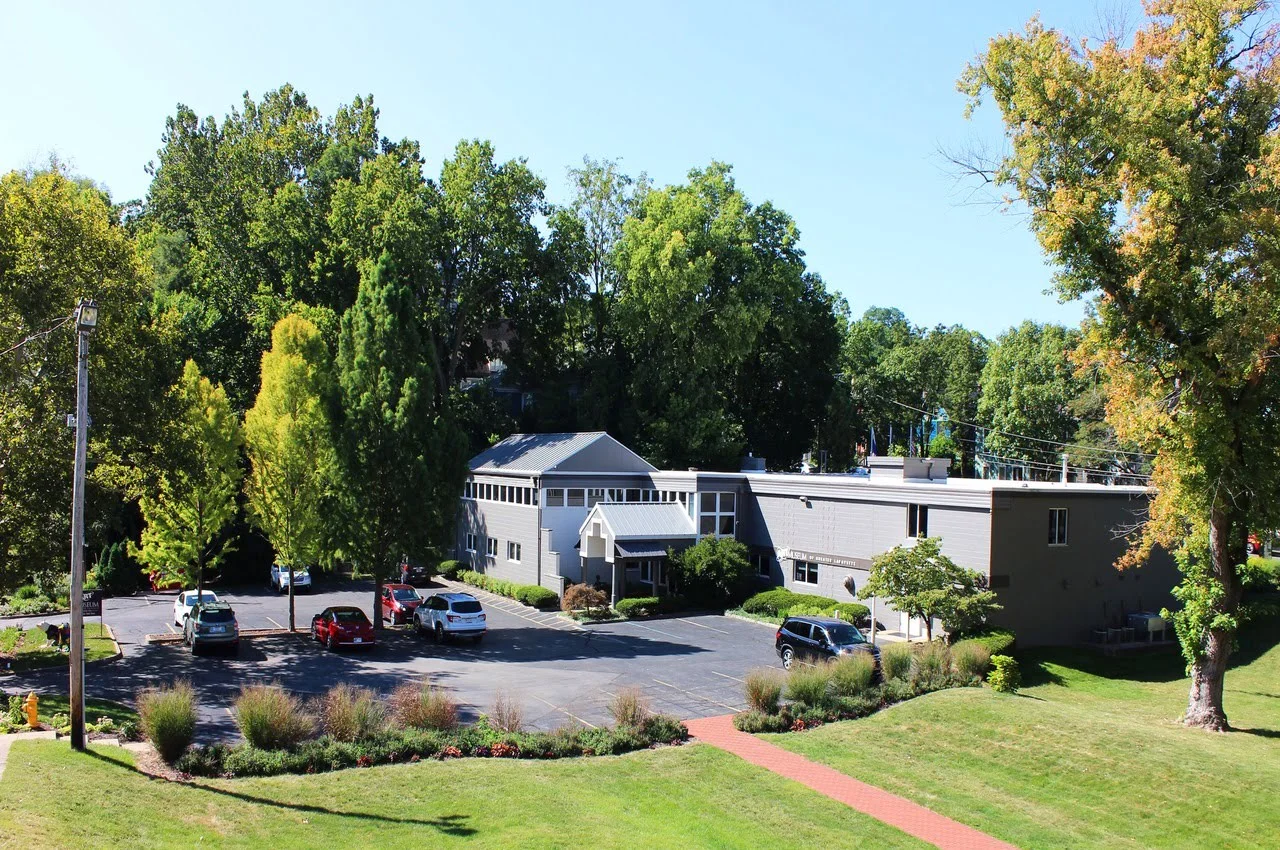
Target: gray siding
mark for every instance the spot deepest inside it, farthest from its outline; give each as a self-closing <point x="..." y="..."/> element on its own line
<point x="1059" y="594"/>
<point x="507" y="522"/>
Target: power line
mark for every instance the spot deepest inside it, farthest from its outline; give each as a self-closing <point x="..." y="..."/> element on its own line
<point x="1053" y="468"/>
<point x="38" y="334"/>
<point x="1012" y="434"/>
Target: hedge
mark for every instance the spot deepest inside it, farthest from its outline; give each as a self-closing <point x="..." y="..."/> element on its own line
<point x="529" y="594"/>
<point x="775" y="602"/>
<point x="994" y="641"/>
<point x="450" y="569"/>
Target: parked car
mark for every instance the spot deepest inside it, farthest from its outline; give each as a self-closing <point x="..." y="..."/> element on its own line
<point x="280" y="578"/>
<point x="451" y="615"/>
<point x="810" y="640"/>
<point x="211" y="624"/>
<point x="158" y="582"/>
<point x="186" y="601"/>
<point x="399" y="601"/>
<point x="414" y="574"/>
<point x="342" y="625"/>
<point x="1253" y="545"/>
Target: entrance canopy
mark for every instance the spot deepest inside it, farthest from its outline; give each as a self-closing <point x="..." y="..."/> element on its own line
<point x="635" y="531"/>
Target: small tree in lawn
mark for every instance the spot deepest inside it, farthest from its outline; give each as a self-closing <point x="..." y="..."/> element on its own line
<point x="922" y="582"/>
<point x="401" y="458"/>
<point x="714" y="568"/>
<point x="194" y="499"/>
<point x="289" y="440"/>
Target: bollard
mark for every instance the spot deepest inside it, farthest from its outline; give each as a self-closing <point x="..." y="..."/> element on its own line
<point x="33" y="711"/>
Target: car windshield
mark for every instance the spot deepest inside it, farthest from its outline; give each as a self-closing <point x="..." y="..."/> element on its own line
<point x="192" y="598"/>
<point x="467" y="606"/>
<point x="404" y="594"/>
<point x="843" y="635"/>
<point x="351" y="616"/>
<point x="218" y="615"/>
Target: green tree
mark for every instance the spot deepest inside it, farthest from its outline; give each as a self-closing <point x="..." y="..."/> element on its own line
<point x="59" y="242"/>
<point x="714" y="569"/>
<point x="194" y="500"/>
<point x="401" y="458"/>
<point x="921" y="582"/>
<point x="289" y="440"/>
<point x="1151" y="171"/>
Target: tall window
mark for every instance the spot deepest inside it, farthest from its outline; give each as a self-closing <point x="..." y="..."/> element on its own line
<point x="555" y="498"/>
<point x="763" y="562"/>
<point x="917" y="521"/>
<point x="513" y="552"/>
<point x="1057" y="526"/>
<point x="491" y="547"/>
<point x="595" y="496"/>
<point x="716" y="514"/>
<point x="471" y="542"/>
<point x="576" y="498"/>
<point x="805" y="572"/>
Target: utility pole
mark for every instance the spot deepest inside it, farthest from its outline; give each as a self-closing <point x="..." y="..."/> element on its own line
<point x="86" y="321"/>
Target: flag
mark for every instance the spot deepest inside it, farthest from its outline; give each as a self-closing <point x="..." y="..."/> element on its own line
<point x="873" y="441"/>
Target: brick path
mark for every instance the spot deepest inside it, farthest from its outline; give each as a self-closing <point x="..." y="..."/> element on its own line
<point x="911" y="818"/>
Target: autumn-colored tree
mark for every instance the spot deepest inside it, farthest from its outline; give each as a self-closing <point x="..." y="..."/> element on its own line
<point x="1151" y="170"/>
<point x="289" y="440"/>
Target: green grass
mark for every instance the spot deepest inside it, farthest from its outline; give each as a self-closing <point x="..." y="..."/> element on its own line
<point x="93" y="709"/>
<point x="31" y="648"/>
<point x="1089" y="754"/>
<point x="692" y="796"/>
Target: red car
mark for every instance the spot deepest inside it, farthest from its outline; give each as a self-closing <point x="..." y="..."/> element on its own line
<point x="342" y="625"/>
<point x="1253" y="545"/>
<point x="399" y="601"/>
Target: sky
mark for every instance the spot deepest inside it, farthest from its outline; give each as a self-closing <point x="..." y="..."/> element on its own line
<point x="835" y="112"/>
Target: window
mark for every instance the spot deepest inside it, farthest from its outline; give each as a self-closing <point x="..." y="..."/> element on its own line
<point x="513" y="552"/>
<point x="633" y="496"/>
<point x="917" y="521"/>
<point x="800" y="629"/>
<point x="1057" y="526"/>
<point x="576" y="498"/>
<point x="763" y="562"/>
<point x="594" y="497"/>
<point x="555" y="498"/>
<point x="646" y="571"/>
<point x="471" y="542"/>
<point x="651" y="572"/>
<point x="716" y="514"/>
<point x="491" y="547"/>
<point x="466" y="490"/>
<point x="706" y="525"/>
<point x="502" y="492"/>
<point x="805" y="572"/>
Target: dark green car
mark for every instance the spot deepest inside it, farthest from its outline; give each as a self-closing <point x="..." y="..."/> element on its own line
<point x="212" y="624"/>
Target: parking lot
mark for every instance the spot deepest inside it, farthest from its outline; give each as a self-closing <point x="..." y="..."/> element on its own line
<point x="557" y="670"/>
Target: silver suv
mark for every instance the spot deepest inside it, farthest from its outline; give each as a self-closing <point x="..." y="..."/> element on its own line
<point x="450" y="615"/>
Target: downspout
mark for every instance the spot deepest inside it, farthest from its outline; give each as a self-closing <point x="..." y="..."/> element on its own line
<point x="537" y="491"/>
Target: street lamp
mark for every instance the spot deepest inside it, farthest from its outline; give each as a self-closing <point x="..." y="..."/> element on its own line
<point x="86" y="321"/>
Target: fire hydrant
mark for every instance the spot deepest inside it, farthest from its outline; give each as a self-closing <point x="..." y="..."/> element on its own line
<point x="33" y="712"/>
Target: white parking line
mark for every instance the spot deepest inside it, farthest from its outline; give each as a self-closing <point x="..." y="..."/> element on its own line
<point x="735" y="678"/>
<point x="565" y="711"/>
<point x="274" y="623"/>
<point x="171" y="629"/>
<point x="701" y="626"/>
<point x="699" y="696"/>
<point x="651" y="629"/>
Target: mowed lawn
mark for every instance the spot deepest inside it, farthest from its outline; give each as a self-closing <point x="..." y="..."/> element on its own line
<point x="681" y="797"/>
<point x="31" y="648"/>
<point x="1090" y="755"/>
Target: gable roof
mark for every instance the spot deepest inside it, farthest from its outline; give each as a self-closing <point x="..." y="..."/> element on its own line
<point x="584" y="451"/>
<point x="653" y="521"/>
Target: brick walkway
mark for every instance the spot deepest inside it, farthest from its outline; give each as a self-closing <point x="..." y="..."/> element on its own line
<point x="911" y="818"/>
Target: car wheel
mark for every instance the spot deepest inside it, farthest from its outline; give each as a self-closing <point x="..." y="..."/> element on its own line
<point x="439" y="632"/>
<point x="417" y="626"/>
<point x="331" y="644"/>
<point x="1250" y="549"/>
<point x="788" y="657"/>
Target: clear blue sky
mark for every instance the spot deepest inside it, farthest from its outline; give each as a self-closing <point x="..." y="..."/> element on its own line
<point x="834" y="111"/>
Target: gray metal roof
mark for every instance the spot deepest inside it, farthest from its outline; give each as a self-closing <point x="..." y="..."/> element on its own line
<point x="538" y="453"/>
<point x="651" y="521"/>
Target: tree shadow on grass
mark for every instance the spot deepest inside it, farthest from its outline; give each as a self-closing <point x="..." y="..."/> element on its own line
<point x="1261" y="733"/>
<point x="447" y="824"/>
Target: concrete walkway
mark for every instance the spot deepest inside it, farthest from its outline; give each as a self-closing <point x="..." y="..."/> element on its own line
<point x="911" y="818"/>
<point x="7" y="740"/>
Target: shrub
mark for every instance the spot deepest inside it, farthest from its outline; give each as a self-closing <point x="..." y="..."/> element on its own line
<point x="851" y="612"/>
<point x="970" y="660"/>
<point x="895" y="660"/>
<point x="450" y="569"/>
<point x="994" y="641"/>
<point x="764" y="688"/>
<point x="168" y="718"/>
<point x="27" y="593"/>
<point x="349" y="713"/>
<point x="507" y="716"/>
<point x="778" y="601"/>
<point x="630" y="709"/>
<point x="640" y="606"/>
<point x="271" y="718"/>
<point x="472" y="577"/>
<point x="423" y="706"/>
<point x="663" y="728"/>
<point x="117" y="574"/>
<point x="853" y="674"/>
<point x="713" y="569"/>
<point x="755" y="722"/>
<point x="1004" y="676"/>
<point x="931" y="667"/>
<point x="583" y="597"/>
<point x="809" y="685"/>
<point x="536" y="596"/>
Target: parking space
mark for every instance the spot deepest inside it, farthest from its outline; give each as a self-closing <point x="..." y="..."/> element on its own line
<point x="559" y="671"/>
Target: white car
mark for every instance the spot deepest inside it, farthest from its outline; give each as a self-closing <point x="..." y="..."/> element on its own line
<point x="450" y="615"/>
<point x="280" y="578"/>
<point x="186" y="601"/>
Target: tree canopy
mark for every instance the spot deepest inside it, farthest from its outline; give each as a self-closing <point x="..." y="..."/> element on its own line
<point x="923" y="583"/>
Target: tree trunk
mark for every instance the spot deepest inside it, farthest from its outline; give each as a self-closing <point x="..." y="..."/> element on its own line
<point x="377" y="600"/>
<point x="292" y="628"/>
<point x="1209" y="670"/>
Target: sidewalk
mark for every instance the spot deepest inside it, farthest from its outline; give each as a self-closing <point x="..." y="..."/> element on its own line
<point x="911" y="818"/>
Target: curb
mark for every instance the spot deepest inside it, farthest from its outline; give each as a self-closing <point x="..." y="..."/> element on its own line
<point x="166" y="638"/>
<point x="740" y="618"/>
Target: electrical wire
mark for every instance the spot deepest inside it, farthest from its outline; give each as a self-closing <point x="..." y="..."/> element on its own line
<point x="38" y="334"/>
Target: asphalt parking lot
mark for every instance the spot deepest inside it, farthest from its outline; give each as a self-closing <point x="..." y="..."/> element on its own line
<point x="557" y="670"/>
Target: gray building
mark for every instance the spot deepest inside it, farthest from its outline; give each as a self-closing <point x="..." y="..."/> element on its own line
<point x="557" y="509"/>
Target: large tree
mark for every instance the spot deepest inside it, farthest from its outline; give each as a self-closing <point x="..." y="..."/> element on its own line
<point x="193" y="501"/>
<point x="401" y="457"/>
<point x="289" y="440"/>
<point x="1151" y="170"/>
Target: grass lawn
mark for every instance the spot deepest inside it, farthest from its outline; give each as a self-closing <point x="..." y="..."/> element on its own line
<point x="31" y="648"/>
<point x="691" y="796"/>
<point x="1090" y="754"/>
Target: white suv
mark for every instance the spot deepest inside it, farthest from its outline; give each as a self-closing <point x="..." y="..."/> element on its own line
<point x="450" y="615"/>
<point x="280" y="578"/>
<point x="187" y="600"/>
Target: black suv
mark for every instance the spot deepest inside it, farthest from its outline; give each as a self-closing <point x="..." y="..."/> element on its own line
<point x="813" y="639"/>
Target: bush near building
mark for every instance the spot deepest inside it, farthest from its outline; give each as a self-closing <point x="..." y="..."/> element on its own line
<point x="528" y="594"/>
